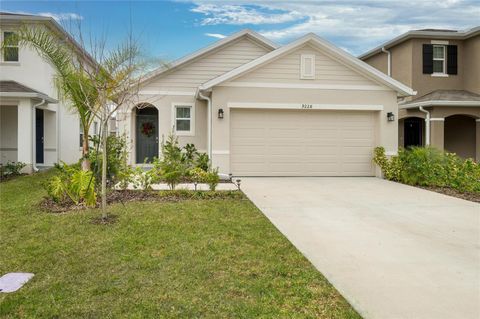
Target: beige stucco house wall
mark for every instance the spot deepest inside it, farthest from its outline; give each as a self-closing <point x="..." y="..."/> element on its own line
<point x="249" y="80"/>
<point x="17" y="112"/>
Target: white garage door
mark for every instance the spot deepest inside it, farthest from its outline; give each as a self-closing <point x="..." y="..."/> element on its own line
<point x="301" y="142"/>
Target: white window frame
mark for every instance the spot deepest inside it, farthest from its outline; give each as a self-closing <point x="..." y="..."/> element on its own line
<point x="2" y="58"/>
<point x="444" y="73"/>
<point x="303" y="61"/>
<point x="175" y="105"/>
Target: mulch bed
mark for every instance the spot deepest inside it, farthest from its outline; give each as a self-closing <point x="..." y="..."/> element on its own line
<point x="473" y="197"/>
<point x="125" y="196"/>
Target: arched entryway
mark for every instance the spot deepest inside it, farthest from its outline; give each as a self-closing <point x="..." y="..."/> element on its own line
<point x="460" y="135"/>
<point x="413" y="131"/>
<point x="146" y="133"/>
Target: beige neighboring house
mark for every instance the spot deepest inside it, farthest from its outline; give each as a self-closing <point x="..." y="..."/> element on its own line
<point x="36" y="127"/>
<point x="443" y="66"/>
<point x="304" y="109"/>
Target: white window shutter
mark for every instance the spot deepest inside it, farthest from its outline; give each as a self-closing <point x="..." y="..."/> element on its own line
<point x="307" y="66"/>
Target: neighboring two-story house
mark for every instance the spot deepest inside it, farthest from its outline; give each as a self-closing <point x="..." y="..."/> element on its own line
<point x="443" y="66"/>
<point x="36" y="126"/>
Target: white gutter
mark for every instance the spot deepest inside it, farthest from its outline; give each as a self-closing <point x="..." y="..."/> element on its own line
<point x="439" y="103"/>
<point x="389" y="61"/>
<point x="427" y="125"/>
<point x="34" y="135"/>
<point x="209" y="123"/>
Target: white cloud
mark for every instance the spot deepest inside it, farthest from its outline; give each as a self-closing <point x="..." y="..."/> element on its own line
<point x="353" y="25"/>
<point x="241" y="14"/>
<point x="215" y="35"/>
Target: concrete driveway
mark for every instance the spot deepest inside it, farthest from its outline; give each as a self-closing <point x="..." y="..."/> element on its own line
<point x="393" y="251"/>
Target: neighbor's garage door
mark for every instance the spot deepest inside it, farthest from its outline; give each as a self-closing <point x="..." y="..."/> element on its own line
<point x="301" y="142"/>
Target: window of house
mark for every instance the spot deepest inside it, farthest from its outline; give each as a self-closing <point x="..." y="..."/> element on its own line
<point x="438" y="59"/>
<point x="95" y="128"/>
<point x="307" y="66"/>
<point x="183" y="119"/>
<point x="10" y="51"/>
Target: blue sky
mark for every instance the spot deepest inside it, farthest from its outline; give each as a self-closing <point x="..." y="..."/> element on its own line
<point x="172" y="29"/>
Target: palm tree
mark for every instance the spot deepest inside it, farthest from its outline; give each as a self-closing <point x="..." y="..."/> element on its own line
<point x="71" y="80"/>
<point x="91" y="88"/>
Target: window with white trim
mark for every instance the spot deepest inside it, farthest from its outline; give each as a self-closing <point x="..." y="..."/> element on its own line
<point x="183" y="119"/>
<point x="10" y="50"/>
<point x="307" y="66"/>
<point x="439" y="59"/>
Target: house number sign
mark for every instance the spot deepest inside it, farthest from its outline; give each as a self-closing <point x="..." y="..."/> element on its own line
<point x="307" y="106"/>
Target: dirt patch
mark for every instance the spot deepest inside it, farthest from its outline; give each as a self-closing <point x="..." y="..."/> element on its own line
<point x="125" y="196"/>
<point x="108" y="220"/>
<point x="473" y="197"/>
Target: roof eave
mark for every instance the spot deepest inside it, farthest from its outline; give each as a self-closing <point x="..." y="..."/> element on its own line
<point x="30" y="95"/>
<point x="461" y="35"/>
<point x="438" y="103"/>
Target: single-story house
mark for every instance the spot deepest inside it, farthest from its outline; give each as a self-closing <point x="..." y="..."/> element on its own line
<point x="304" y="109"/>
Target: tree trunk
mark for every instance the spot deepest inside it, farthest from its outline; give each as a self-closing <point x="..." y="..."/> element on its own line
<point x="85" y="149"/>
<point x="104" y="168"/>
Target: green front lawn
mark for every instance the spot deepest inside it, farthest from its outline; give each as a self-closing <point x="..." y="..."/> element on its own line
<point x="197" y="258"/>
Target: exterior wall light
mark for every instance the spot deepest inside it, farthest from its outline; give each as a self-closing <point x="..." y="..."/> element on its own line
<point x="390" y="116"/>
<point x="220" y="113"/>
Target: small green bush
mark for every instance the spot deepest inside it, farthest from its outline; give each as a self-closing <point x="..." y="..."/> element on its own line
<point x="116" y="158"/>
<point x="11" y="168"/>
<point x="427" y="166"/>
<point x="74" y="184"/>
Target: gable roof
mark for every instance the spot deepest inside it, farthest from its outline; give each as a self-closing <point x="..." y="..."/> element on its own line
<point x="256" y="37"/>
<point x="6" y="17"/>
<point x="330" y="49"/>
<point x="15" y="89"/>
<point x="420" y="34"/>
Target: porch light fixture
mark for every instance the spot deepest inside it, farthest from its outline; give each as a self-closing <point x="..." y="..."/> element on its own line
<point x="390" y="116"/>
<point x="220" y="113"/>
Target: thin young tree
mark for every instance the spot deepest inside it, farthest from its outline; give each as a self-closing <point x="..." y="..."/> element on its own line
<point x="96" y="88"/>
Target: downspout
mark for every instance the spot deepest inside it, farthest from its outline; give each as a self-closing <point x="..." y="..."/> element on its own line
<point x="389" y="61"/>
<point x="209" y="123"/>
<point x="34" y="107"/>
<point x="427" y="125"/>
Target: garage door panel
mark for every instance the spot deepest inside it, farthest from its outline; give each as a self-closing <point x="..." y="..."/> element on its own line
<point x="302" y="142"/>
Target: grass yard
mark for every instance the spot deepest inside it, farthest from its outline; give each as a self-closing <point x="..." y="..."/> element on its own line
<point x="189" y="259"/>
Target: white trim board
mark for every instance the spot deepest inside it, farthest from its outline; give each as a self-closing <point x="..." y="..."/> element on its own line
<point x="305" y="86"/>
<point x="439" y="103"/>
<point x="177" y="93"/>
<point x="305" y="106"/>
<point x="437" y="119"/>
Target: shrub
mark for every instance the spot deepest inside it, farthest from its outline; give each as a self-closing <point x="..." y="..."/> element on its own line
<point x="116" y="157"/>
<point x="174" y="165"/>
<point x="202" y="162"/>
<point x="212" y="179"/>
<point x="11" y="168"/>
<point x="74" y="184"/>
<point x="427" y="166"/>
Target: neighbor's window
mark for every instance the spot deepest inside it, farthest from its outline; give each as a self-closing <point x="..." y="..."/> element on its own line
<point x="438" y="59"/>
<point x="183" y="119"/>
<point x="10" y="51"/>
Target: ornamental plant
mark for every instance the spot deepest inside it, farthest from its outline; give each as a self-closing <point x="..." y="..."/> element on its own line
<point x="427" y="166"/>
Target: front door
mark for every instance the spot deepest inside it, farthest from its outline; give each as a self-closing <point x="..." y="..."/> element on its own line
<point x="39" y="136"/>
<point x="413" y="129"/>
<point x="146" y="134"/>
